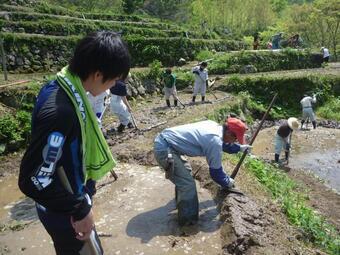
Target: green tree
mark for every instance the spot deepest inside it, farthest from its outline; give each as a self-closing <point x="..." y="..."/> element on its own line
<point x="129" y="6"/>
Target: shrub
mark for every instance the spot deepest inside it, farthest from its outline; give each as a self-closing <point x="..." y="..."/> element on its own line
<point x="59" y="48"/>
<point x="204" y="55"/>
<point x="290" y="89"/>
<point x="264" y="61"/>
<point x="155" y="71"/>
<point x="331" y="109"/>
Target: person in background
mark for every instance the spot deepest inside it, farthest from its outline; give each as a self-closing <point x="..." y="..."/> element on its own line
<point x="307" y="109"/>
<point x="276" y="41"/>
<point x="201" y="80"/>
<point x="282" y="137"/>
<point x="120" y="105"/>
<point x="206" y="139"/>
<point x="325" y="53"/>
<point x="256" y="42"/>
<point x="169" y="81"/>
<point x="99" y="104"/>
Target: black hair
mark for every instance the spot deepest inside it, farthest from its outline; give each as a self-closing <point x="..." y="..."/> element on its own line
<point x="168" y="71"/>
<point x="204" y="63"/>
<point x="102" y="51"/>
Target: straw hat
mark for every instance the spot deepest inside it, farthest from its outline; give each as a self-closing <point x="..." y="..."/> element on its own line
<point x="293" y="123"/>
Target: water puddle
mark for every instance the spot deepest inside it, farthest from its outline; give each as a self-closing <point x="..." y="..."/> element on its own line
<point x="317" y="151"/>
<point x="13" y="204"/>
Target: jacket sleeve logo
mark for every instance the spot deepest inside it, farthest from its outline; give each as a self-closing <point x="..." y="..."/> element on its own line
<point x="51" y="154"/>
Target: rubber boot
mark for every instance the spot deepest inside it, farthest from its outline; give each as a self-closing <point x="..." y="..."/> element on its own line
<point x="314" y="124"/>
<point x="302" y="122"/>
<point x="193" y="99"/>
<point x="168" y="103"/>
<point x="203" y="98"/>
<point x="277" y="157"/>
<point x="120" y="128"/>
<point x="175" y="103"/>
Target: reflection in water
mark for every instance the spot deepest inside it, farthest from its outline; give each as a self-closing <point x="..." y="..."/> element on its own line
<point x="162" y="221"/>
<point x="24" y="210"/>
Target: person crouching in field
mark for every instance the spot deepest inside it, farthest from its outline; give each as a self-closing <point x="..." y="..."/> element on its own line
<point x="283" y="137"/>
<point x="204" y="138"/>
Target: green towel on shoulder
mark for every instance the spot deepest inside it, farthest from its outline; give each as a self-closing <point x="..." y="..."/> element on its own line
<point x="96" y="153"/>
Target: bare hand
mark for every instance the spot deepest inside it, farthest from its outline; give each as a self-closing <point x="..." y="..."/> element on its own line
<point x="84" y="227"/>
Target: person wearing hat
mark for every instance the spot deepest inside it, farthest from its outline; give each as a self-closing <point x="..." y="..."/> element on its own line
<point x="169" y="80"/>
<point x="282" y="137"/>
<point x="206" y="139"/>
<point x="201" y="80"/>
<point x="307" y="110"/>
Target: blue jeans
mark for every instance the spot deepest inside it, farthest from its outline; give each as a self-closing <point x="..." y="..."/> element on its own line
<point x="280" y="143"/>
<point x="185" y="186"/>
<point x="308" y="113"/>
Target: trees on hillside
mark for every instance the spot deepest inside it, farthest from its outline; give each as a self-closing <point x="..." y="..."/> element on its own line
<point x="239" y="17"/>
<point x="130" y="6"/>
<point x="318" y="23"/>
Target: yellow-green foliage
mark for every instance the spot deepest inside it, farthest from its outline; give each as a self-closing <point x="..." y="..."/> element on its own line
<point x="330" y="110"/>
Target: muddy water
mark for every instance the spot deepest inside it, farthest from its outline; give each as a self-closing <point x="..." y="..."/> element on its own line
<point x="135" y="215"/>
<point x="317" y="151"/>
<point x="13" y="204"/>
<point x="142" y="218"/>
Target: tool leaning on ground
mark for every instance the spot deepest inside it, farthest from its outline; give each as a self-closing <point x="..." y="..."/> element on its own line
<point x="94" y="250"/>
<point x="236" y="169"/>
<point x="289" y="148"/>
<point x="212" y="83"/>
<point x="180" y="102"/>
<point x="134" y="121"/>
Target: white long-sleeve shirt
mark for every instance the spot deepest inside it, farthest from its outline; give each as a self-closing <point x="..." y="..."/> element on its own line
<point x="306" y="102"/>
<point x="202" y="75"/>
<point x="325" y="53"/>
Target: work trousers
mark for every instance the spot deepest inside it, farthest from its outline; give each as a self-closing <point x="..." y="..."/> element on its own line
<point x="185" y="186"/>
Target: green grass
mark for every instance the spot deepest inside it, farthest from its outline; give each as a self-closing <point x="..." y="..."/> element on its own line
<point x="315" y="228"/>
<point x="330" y="110"/>
<point x="284" y="190"/>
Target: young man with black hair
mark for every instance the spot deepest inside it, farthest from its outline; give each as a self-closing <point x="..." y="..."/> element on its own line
<point x="169" y="81"/>
<point x="67" y="146"/>
<point x="204" y="138"/>
<point x="201" y="80"/>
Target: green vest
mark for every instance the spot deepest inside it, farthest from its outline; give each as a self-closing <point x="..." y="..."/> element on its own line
<point x="169" y="80"/>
